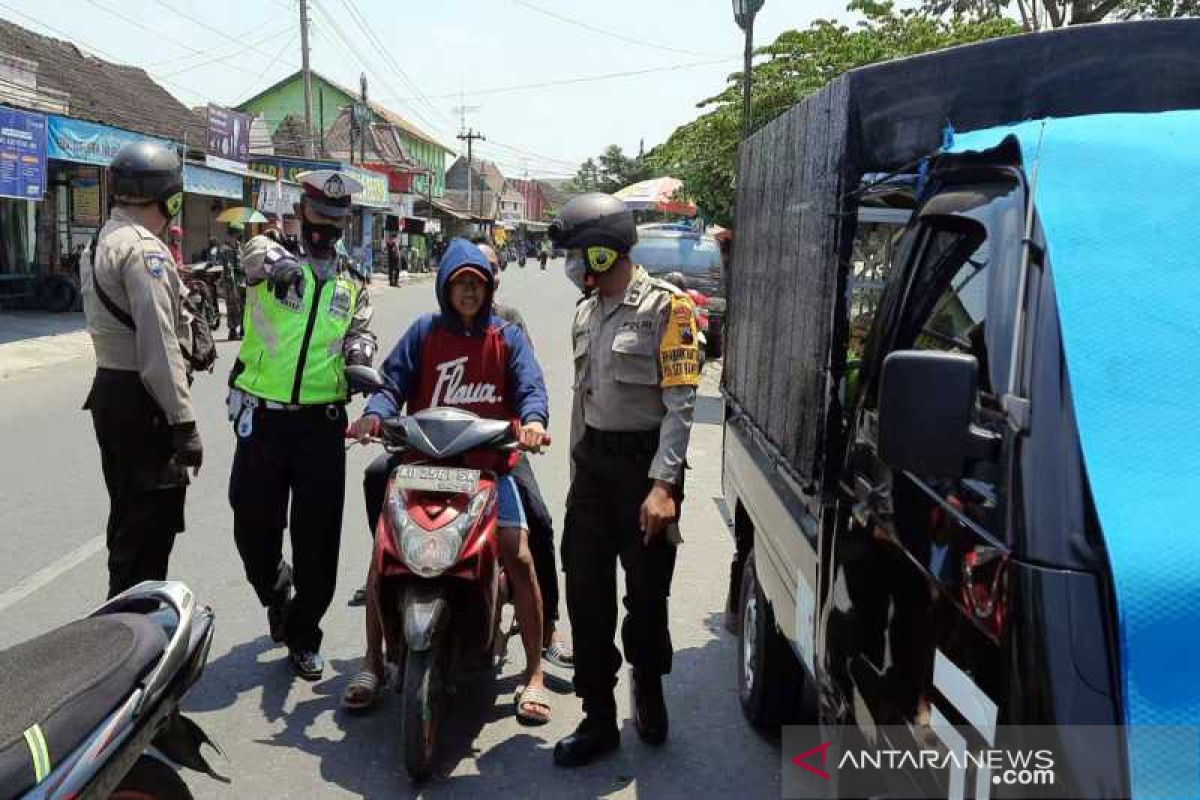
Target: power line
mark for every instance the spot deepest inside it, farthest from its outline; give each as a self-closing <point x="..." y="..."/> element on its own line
<point x="389" y="59"/>
<point x="346" y="44"/>
<point x="538" y="156"/>
<point x="211" y="28"/>
<point x="286" y="46"/>
<point x="228" y="56"/>
<point x="611" y="34"/>
<point x="585" y="79"/>
<point x="115" y="60"/>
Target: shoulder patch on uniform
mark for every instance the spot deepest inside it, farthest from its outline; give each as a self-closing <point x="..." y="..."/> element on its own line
<point x="680" y="350"/>
<point x="156" y="262"/>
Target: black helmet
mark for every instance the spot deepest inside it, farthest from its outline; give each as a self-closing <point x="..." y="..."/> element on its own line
<point x="595" y="220"/>
<point x="145" y="172"/>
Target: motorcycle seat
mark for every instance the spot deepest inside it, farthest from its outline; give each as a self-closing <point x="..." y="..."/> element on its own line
<point x="66" y="682"/>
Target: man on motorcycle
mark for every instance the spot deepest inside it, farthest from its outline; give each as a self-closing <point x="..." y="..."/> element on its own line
<point x="467" y="358"/>
<point x="541" y="524"/>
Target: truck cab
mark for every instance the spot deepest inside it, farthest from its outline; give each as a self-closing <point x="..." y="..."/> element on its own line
<point x="921" y="563"/>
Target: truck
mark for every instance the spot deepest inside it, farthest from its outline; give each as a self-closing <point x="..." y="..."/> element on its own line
<point x="960" y="408"/>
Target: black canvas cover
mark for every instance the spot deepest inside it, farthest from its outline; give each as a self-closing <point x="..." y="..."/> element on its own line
<point x="798" y="176"/>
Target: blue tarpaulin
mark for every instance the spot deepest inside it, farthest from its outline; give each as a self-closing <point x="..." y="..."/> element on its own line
<point x="1116" y="197"/>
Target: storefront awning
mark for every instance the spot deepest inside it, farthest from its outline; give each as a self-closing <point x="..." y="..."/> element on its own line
<point x="211" y="182"/>
<point x="236" y="168"/>
<point x="450" y="210"/>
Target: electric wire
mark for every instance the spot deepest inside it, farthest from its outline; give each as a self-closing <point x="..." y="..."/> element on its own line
<point x="613" y="34"/>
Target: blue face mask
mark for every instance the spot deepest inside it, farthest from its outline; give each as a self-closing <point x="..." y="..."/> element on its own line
<point x="576" y="268"/>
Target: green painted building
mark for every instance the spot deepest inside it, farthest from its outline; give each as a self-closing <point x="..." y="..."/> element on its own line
<point x="286" y="98"/>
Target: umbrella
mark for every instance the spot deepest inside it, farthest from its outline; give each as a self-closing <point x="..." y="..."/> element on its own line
<point x="240" y="214"/>
<point x="657" y="194"/>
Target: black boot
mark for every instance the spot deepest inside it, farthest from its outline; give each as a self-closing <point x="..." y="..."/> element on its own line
<point x="593" y="738"/>
<point x="649" y="707"/>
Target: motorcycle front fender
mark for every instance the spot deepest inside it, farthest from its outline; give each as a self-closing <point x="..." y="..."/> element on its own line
<point x="425" y="608"/>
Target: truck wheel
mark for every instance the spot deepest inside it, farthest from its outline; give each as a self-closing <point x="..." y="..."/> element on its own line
<point x="770" y="679"/>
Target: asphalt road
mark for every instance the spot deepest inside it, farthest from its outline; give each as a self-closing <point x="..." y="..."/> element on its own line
<point x="289" y="739"/>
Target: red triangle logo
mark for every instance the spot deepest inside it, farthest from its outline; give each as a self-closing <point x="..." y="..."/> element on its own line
<point x="823" y="751"/>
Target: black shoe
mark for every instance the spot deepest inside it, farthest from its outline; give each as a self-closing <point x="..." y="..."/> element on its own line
<point x="649" y="708"/>
<point x="359" y="598"/>
<point x="592" y="739"/>
<point x="307" y="664"/>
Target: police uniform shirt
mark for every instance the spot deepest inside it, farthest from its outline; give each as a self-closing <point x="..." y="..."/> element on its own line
<point x="262" y="250"/>
<point x="637" y="366"/>
<point x="137" y="273"/>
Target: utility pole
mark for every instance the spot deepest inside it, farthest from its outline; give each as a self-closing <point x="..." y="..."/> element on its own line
<point x="469" y="137"/>
<point x="365" y="122"/>
<point x="743" y="14"/>
<point x="308" y="121"/>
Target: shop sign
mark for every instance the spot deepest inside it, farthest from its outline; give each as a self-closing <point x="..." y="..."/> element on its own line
<point x="289" y="168"/>
<point x="88" y="142"/>
<point x="228" y="133"/>
<point x="375" y="187"/>
<point x="22" y="154"/>
<point x="278" y="198"/>
<point x="85" y="201"/>
<point x="211" y="182"/>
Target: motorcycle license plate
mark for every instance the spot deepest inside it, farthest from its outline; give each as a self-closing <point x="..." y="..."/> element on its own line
<point x="436" y="479"/>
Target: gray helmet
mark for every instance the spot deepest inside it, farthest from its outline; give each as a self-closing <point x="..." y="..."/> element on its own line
<point x="145" y="172"/>
<point x="595" y="220"/>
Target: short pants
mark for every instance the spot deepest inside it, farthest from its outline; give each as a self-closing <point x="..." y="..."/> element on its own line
<point x="512" y="513"/>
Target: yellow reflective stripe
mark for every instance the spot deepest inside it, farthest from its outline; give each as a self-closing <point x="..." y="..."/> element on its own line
<point x="39" y="751"/>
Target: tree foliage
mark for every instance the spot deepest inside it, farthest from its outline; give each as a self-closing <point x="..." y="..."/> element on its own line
<point x="703" y="152"/>
<point x="1038" y="15"/>
<point x="614" y="171"/>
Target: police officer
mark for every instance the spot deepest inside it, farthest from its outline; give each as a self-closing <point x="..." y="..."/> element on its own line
<point x="235" y="280"/>
<point x="637" y="365"/>
<point x="140" y="401"/>
<point x="306" y="320"/>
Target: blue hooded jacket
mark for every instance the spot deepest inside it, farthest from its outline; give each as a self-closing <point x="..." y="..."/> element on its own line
<point x="417" y="355"/>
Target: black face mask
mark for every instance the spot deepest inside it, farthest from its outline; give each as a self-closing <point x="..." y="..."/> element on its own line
<point x="320" y="238"/>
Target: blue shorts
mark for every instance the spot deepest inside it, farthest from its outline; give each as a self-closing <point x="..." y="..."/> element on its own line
<point x="511" y="512"/>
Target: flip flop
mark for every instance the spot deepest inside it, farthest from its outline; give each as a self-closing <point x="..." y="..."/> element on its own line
<point x="531" y="696"/>
<point x="560" y="655"/>
<point x="365" y="689"/>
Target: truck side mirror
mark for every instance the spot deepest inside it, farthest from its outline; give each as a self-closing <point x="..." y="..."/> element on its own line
<point x="926" y="402"/>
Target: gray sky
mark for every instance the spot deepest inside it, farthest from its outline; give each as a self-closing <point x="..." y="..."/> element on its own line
<point x="445" y="47"/>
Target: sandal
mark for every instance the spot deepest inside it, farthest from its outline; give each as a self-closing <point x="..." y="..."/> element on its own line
<point x="533" y="705"/>
<point x="365" y="689"/>
<point x="559" y="654"/>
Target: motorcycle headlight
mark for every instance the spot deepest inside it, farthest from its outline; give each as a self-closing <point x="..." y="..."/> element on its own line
<point x="430" y="553"/>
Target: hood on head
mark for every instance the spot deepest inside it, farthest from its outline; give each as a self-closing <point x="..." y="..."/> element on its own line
<point x="461" y="254"/>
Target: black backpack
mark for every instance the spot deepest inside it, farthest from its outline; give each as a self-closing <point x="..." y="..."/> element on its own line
<point x="203" y="353"/>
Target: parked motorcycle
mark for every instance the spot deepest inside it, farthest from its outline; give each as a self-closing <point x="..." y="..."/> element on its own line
<point x="436" y="548"/>
<point x="203" y="280"/>
<point x="92" y="708"/>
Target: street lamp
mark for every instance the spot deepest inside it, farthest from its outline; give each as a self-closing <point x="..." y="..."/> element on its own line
<point x="743" y="13"/>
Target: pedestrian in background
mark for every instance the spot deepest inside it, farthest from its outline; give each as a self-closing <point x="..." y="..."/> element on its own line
<point x="308" y="319"/>
<point x="637" y="366"/>
<point x="141" y="400"/>
<point x="392" y="256"/>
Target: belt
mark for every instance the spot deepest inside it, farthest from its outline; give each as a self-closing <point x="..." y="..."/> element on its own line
<point x="330" y="410"/>
<point x="622" y="442"/>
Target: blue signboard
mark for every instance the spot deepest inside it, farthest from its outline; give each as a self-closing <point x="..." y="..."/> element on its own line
<point x="214" y="183"/>
<point x="22" y="154"/>
<point x="89" y="142"/>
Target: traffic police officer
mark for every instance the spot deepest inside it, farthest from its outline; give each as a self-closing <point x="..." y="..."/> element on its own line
<point x="140" y="401"/>
<point x="637" y="365"/>
<point x="306" y="320"/>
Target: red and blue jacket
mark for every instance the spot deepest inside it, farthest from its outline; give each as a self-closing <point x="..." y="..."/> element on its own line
<point x="488" y="368"/>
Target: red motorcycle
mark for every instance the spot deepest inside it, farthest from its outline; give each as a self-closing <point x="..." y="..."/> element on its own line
<point x="437" y="555"/>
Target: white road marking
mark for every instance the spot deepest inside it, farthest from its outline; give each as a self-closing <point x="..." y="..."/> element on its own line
<point x="966" y="696"/>
<point x="48" y="574"/>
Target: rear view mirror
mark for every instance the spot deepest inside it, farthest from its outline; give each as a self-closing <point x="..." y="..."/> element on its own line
<point x="364" y="379"/>
<point x="926" y="403"/>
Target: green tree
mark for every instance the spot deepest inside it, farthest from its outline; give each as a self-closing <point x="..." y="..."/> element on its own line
<point x="614" y="171"/>
<point x="703" y="152"/>
<point x="1038" y="15"/>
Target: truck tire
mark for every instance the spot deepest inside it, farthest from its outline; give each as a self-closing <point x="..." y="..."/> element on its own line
<point x="770" y="679"/>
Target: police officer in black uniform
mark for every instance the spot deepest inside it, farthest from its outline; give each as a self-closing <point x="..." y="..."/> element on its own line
<point x="637" y="366"/>
<point x="141" y="402"/>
